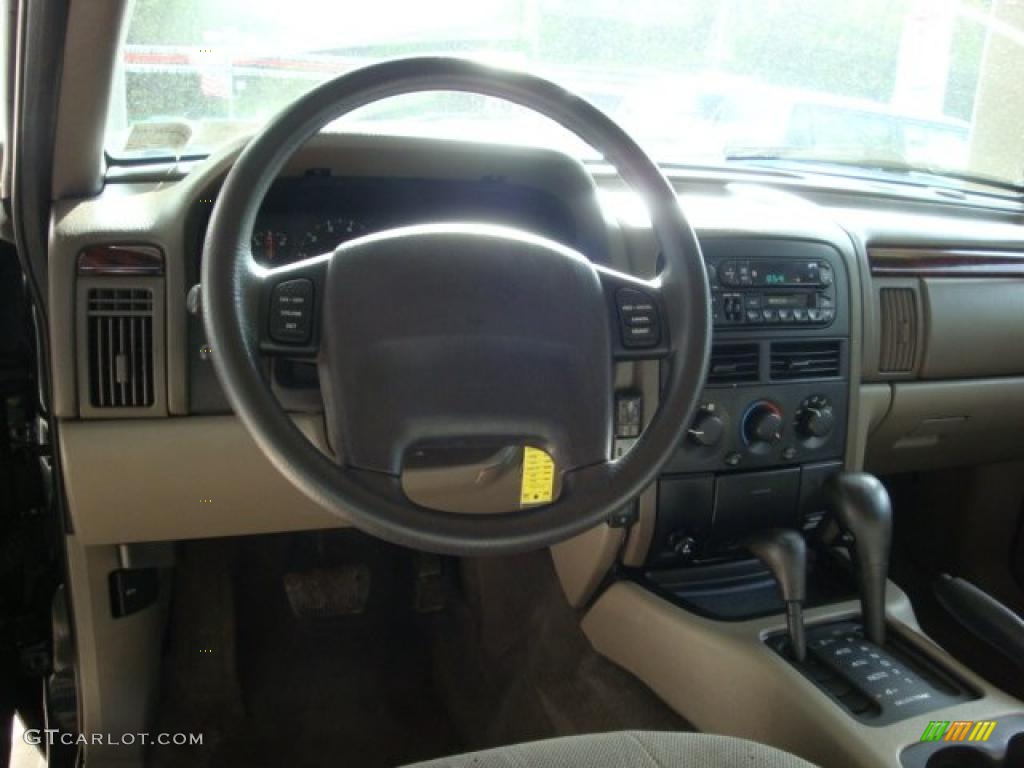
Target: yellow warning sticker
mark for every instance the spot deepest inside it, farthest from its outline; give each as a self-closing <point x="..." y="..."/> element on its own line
<point x="538" y="477"/>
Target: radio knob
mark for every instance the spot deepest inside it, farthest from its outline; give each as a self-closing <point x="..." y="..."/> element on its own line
<point x="762" y="423"/>
<point x="816" y="418"/>
<point x="708" y="428"/>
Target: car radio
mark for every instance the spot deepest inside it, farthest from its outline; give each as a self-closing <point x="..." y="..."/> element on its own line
<point x="756" y="292"/>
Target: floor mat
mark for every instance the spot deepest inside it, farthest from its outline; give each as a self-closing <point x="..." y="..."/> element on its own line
<point x="319" y="690"/>
<point x="442" y="656"/>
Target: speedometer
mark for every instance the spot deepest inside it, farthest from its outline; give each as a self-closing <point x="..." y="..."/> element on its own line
<point x="326" y="235"/>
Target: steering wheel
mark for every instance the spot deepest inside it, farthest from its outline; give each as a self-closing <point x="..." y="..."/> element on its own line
<point x="448" y="332"/>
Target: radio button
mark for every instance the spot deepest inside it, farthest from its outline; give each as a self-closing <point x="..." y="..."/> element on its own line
<point x="770" y="315"/>
<point x="732" y="304"/>
<point x="743" y="271"/>
<point x="828" y="315"/>
<point x="785" y="315"/>
<point x="728" y="274"/>
<point x="800" y="315"/>
<point x="825" y="274"/>
<point x="814" y="315"/>
<point x="753" y="316"/>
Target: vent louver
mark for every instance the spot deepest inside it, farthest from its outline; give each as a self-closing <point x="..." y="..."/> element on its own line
<point x="792" y="360"/>
<point x="734" y="363"/>
<point x="898" y="343"/>
<point x="120" y="335"/>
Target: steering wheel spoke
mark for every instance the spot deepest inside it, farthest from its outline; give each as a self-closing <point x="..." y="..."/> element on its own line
<point x="637" y="316"/>
<point x="290" y="302"/>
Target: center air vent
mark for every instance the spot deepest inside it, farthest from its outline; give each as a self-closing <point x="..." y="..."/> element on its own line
<point x="120" y="338"/>
<point x="734" y="363"/>
<point x="792" y="360"/>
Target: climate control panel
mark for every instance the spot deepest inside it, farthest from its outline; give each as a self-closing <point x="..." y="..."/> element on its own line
<point x="756" y="427"/>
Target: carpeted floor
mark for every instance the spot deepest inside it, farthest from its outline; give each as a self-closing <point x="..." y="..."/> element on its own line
<point x="513" y="664"/>
<point x="503" y="661"/>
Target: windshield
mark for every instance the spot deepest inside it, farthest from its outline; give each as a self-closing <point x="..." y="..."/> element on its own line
<point x="878" y="84"/>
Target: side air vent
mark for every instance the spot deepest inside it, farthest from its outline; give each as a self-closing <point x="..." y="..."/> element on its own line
<point x="898" y="321"/>
<point x="120" y="339"/>
<point x="734" y="363"/>
<point x="791" y="360"/>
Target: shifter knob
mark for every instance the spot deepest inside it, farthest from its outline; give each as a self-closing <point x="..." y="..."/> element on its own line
<point x="862" y="508"/>
<point x="785" y="554"/>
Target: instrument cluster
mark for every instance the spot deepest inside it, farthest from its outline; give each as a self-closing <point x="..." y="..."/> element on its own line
<point x="314" y="214"/>
<point x="276" y="242"/>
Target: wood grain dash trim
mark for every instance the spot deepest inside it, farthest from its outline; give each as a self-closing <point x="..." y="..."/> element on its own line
<point x="924" y="262"/>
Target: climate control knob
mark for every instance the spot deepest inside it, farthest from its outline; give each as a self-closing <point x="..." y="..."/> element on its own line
<point x="708" y="427"/>
<point x="815" y="418"/>
<point x="762" y="423"/>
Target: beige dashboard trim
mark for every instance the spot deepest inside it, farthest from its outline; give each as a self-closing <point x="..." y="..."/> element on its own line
<point x="118" y="659"/>
<point x="723" y="679"/>
<point x="167" y="479"/>
<point x="583" y="561"/>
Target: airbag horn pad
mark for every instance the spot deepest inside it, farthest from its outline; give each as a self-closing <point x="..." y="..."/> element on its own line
<point x="461" y="331"/>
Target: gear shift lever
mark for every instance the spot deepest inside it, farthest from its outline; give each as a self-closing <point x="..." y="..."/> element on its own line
<point x="785" y="554"/>
<point x="862" y="508"/>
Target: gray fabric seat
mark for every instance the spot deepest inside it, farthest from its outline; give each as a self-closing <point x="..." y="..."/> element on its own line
<point x="643" y="749"/>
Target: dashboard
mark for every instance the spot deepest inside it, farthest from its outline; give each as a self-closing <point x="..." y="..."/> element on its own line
<point x="771" y="425"/>
<point x="852" y="328"/>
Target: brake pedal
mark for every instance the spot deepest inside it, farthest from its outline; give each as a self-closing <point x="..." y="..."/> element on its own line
<point x="322" y="593"/>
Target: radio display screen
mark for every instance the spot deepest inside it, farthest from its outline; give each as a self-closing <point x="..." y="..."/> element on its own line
<point x="768" y="273"/>
<point x="787" y="300"/>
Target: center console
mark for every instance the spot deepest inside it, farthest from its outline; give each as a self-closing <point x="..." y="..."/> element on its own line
<point x="771" y="424"/>
<point x="763" y="607"/>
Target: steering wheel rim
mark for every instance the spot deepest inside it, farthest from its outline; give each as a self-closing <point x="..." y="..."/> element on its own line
<point x="232" y="285"/>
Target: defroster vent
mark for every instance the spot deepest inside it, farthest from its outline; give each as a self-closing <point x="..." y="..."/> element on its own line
<point x="120" y="335"/>
<point x="791" y="360"/>
<point x="734" y="363"/>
